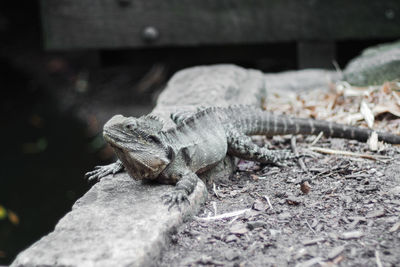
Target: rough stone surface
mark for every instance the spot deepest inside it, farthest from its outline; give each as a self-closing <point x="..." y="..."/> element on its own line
<point x="216" y="85"/>
<point x="122" y="222"/>
<point x="119" y="222"/>
<point x="302" y="80"/>
<point x="375" y="65"/>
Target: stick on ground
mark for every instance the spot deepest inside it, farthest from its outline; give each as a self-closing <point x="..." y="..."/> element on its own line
<point x="348" y="153"/>
<point x="223" y="216"/>
<point x="296" y="152"/>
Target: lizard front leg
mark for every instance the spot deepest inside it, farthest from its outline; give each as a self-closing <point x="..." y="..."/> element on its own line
<point x="102" y="171"/>
<point x="241" y="146"/>
<point x="187" y="181"/>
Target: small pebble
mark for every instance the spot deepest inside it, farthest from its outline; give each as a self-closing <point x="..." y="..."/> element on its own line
<point x="305" y="187"/>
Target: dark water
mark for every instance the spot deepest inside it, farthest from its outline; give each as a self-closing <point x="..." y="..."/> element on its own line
<point x="44" y="154"/>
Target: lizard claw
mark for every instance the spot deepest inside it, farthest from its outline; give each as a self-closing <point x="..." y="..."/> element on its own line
<point x="101" y="171"/>
<point x="175" y="198"/>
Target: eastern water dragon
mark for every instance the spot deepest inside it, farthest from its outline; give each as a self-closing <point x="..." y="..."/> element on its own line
<point x="201" y="139"/>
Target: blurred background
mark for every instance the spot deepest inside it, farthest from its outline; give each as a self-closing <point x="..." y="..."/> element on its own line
<point x="66" y="66"/>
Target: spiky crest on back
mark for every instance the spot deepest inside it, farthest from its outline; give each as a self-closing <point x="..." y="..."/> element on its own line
<point x="191" y="120"/>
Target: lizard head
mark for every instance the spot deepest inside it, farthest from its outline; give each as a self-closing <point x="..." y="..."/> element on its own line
<point x="137" y="143"/>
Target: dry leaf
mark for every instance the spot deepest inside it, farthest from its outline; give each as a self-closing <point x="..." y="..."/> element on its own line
<point x="367" y="113"/>
<point x="373" y="142"/>
<point x="390" y="108"/>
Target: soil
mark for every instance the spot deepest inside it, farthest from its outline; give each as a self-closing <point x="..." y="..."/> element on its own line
<point x="349" y="217"/>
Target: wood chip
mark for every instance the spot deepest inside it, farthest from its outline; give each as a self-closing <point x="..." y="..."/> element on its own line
<point x="259" y="205"/>
<point x="375" y="213"/>
<point x="335" y="252"/>
<point x="310" y="262"/>
<point x="351" y="235"/>
<point x="256" y="224"/>
<point x="292" y="200"/>
<point x="310" y="242"/>
<point x="231" y="255"/>
<point x="238" y="229"/>
<point x="395" y="227"/>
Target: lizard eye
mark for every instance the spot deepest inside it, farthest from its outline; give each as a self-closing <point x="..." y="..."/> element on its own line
<point x="129" y="127"/>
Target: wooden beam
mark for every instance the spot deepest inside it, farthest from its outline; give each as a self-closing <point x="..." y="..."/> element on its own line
<point x="83" y="24"/>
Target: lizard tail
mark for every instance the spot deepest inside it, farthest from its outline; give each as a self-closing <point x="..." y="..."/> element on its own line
<point x="331" y="129"/>
<point x="253" y="121"/>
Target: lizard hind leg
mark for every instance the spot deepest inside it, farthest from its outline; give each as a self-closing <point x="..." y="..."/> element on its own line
<point x="241" y="146"/>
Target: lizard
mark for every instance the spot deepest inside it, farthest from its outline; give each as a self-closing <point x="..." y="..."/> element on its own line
<point x="202" y="139"/>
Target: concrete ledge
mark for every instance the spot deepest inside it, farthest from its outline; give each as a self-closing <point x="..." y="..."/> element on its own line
<point x="119" y="222"/>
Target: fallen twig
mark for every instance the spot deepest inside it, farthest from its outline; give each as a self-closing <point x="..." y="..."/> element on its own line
<point x="317" y="138"/>
<point x="216" y="191"/>
<point x="269" y="202"/>
<point x="348" y="153"/>
<point x="223" y="216"/>
<point x="378" y="259"/>
<point x="296" y="153"/>
<point x="215" y="208"/>
<point x="309" y="226"/>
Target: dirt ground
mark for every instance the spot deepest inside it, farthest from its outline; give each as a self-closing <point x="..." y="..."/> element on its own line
<point x="349" y="217"/>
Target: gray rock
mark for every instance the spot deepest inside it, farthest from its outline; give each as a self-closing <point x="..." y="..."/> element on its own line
<point x="375" y="65"/>
<point x="119" y="222"/>
<point x="302" y="80"/>
<point x="216" y="85"/>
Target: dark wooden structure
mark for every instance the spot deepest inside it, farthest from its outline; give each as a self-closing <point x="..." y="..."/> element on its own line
<point x="113" y="24"/>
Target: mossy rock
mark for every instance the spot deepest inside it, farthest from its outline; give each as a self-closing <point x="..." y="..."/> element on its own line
<point x="375" y="65"/>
